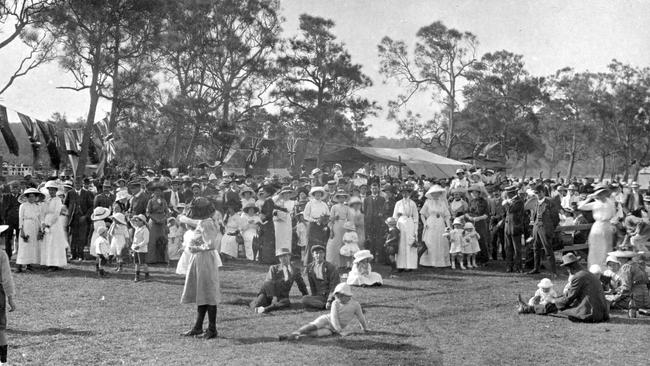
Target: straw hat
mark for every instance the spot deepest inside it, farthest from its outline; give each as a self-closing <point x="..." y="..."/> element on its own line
<point x="343" y="289"/>
<point x="51" y="184"/>
<point x="468" y="225"/>
<point x="100" y="213"/>
<point x="282" y="251"/>
<point x="39" y="195"/>
<point x="434" y="189"/>
<point x="122" y="194"/>
<point x="249" y="206"/>
<point x="391" y="221"/>
<point x="286" y="190"/>
<point x="611" y="258"/>
<point x="458" y="221"/>
<point x="139" y="217"/>
<point x="361" y="255"/>
<point x="620" y="253"/>
<point x="315" y="190"/>
<point x="341" y="193"/>
<point x="354" y="200"/>
<point x="349" y="225"/>
<point x="545" y="283"/>
<point x="246" y="189"/>
<point x="119" y="218"/>
<point x="569" y="258"/>
<point x="600" y="188"/>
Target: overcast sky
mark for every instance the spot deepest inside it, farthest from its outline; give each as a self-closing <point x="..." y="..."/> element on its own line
<point x="551" y="34"/>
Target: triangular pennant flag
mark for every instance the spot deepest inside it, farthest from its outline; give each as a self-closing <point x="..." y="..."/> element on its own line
<point x="49" y="135"/>
<point x="10" y="139"/>
<point x="32" y="134"/>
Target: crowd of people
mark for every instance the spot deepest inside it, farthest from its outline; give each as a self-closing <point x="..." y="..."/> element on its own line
<point x="338" y="224"/>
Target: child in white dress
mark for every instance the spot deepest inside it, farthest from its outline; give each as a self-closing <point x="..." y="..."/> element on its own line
<point x="344" y="309"/>
<point x="99" y="216"/>
<point x="545" y="293"/>
<point x="455" y="236"/>
<point x="175" y="240"/>
<point x="250" y="221"/>
<point x="102" y="250"/>
<point x="470" y="245"/>
<point x="350" y="243"/>
<point x="361" y="273"/>
<point x="118" y="235"/>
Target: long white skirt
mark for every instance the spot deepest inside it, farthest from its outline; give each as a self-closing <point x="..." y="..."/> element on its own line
<point x="437" y="254"/>
<point x="53" y="247"/>
<point x="600" y="243"/>
<point x="407" y="254"/>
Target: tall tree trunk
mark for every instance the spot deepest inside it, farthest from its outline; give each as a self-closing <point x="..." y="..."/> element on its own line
<point x="90" y="119"/>
<point x="450" y="129"/>
<point x="112" y="122"/>
<point x="319" y="159"/>
<point x="525" y="166"/>
<point x="603" y="166"/>
<point x="572" y="157"/>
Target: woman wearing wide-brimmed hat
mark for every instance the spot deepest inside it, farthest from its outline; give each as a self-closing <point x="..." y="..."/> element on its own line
<point x="29" y="223"/>
<point x="478" y="214"/>
<point x="202" y="274"/>
<point x="601" y="235"/>
<point x="267" y="229"/>
<point x="406" y="214"/>
<point x="55" y="238"/>
<point x="435" y="216"/>
<point x="157" y="212"/>
<point x="339" y="214"/>
<point x="316" y="214"/>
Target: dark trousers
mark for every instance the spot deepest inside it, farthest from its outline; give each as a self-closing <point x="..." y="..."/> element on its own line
<point x="497" y="239"/>
<point x="513" y="249"/>
<point x="78" y="236"/>
<point x="542" y="244"/>
<point x="375" y="237"/>
<point x="314" y="302"/>
<point x="10" y="234"/>
<point x="265" y="298"/>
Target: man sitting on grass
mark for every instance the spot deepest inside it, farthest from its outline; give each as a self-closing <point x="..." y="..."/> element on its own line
<point x="323" y="277"/>
<point x="274" y="294"/>
<point x="583" y="301"/>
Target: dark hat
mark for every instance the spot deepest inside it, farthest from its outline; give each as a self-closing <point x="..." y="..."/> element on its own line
<point x="568" y="259"/>
<point x="317" y="247"/>
<point x="107" y="184"/>
<point x="86" y="180"/>
<point x="282" y="251"/>
<point x="156" y="186"/>
<point x="135" y="182"/>
<point x="200" y="209"/>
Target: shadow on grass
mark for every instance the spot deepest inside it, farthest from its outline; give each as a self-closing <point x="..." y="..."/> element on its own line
<point x="52" y="331"/>
<point x="641" y="320"/>
<point x="370" y="306"/>
<point x="363" y="344"/>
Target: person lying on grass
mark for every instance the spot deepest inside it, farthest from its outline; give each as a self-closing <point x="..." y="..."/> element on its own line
<point x="344" y="310"/>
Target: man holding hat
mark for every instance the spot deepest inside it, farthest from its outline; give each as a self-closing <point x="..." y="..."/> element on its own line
<point x="274" y="294"/>
<point x="323" y="278"/>
<point x="584" y="299"/>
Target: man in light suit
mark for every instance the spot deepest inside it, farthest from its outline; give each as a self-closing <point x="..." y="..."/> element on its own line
<point x="373" y="210"/>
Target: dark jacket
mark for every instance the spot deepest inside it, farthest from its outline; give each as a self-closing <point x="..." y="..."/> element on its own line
<point x="546" y="216"/>
<point x="10" y="208"/>
<point x="585" y="299"/>
<point x="104" y="200"/>
<point x="138" y="204"/>
<point x="514" y="218"/>
<point x="79" y="204"/>
<point x="373" y="210"/>
<point x="324" y="287"/>
<point x="282" y="287"/>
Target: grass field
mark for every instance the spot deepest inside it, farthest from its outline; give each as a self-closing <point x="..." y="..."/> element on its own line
<point x="429" y="317"/>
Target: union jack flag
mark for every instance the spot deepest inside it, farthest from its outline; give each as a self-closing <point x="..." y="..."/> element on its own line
<point x="106" y="137"/>
<point x="292" y="143"/>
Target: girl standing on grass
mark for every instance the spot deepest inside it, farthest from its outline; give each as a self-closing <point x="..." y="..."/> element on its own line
<point x="350" y="245"/>
<point x="140" y="246"/>
<point x="344" y="309"/>
<point x="470" y="245"/>
<point x="100" y="214"/>
<point x="456" y="239"/>
<point x="7" y="292"/>
<point x="29" y="223"/>
<point x="102" y="250"/>
<point x="119" y="237"/>
<point x="202" y="278"/>
<point x="250" y="222"/>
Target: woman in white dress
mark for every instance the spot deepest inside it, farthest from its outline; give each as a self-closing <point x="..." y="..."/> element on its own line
<point x="250" y="221"/>
<point x="601" y="235"/>
<point x="435" y="216"/>
<point x="282" y="218"/>
<point x="232" y="223"/>
<point x="406" y="214"/>
<point x="55" y="239"/>
<point x="29" y="223"/>
<point x="340" y="213"/>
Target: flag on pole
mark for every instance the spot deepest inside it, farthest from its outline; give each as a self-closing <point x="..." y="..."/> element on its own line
<point x="10" y="139"/>
<point x="106" y="138"/>
<point x="292" y="142"/>
<point x="260" y="152"/>
<point x="73" y="138"/>
<point x="51" y="142"/>
<point x="32" y="134"/>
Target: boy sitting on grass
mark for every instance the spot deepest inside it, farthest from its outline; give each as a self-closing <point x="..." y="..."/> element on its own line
<point x="343" y="311"/>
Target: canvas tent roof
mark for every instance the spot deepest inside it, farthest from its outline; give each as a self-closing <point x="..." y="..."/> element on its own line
<point x="416" y="159"/>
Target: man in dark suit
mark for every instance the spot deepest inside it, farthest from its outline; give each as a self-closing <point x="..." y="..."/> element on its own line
<point x="323" y="278"/>
<point x="545" y="218"/>
<point x="634" y="200"/>
<point x="80" y="206"/>
<point x="513" y="228"/>
<point x="584" y="300"/>
<point x="139" y="199"/>
<point x="186" y="196"/>
<point x="274" y="294"/>
<point x="106" y="197"/>
<point x="373" y="210"/>
<point x="9" y="212"/>
<point x="231" y="195"/>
